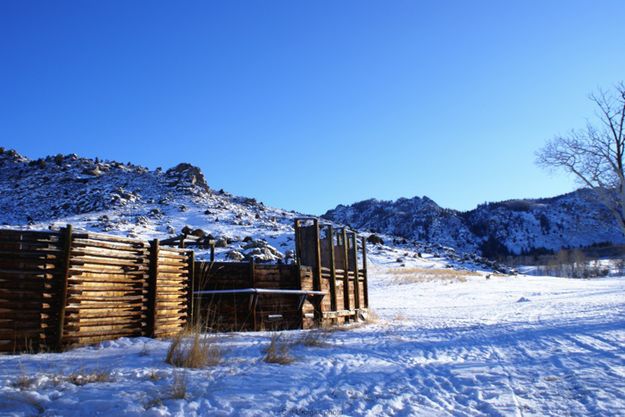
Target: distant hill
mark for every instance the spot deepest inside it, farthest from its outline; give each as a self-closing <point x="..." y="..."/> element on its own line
<point x="131" y="200"/>
<point x="493" y="229"/>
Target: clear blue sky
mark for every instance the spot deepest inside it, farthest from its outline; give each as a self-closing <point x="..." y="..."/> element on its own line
<point x="308" y="104"/>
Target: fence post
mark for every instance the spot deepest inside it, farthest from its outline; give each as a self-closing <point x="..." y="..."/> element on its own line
<point x="365" y="283"/>
<point x="317" y="276"/>
<point x="254" y="297"/>
<point x="330" y="238"/>
<point x="67" y="256"/>
<point x="346" y="270"/>
<point x="190" y="286"/>
<point x="152" y="282"/>
<point x="356" y="278"/>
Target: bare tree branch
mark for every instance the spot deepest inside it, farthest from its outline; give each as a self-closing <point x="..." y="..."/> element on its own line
<point x="595" y="156"/>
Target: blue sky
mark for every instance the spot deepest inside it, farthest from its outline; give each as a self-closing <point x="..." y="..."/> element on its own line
<point x="308" y="104"/>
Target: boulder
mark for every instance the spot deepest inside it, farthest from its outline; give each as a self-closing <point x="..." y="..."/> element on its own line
<point x="235" y="256"/>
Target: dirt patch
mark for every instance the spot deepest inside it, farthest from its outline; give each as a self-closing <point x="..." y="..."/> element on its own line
<point x="416" y="275"/>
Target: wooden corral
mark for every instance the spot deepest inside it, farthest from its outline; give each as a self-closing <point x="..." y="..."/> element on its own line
<point x="339" y="262"/>
<point x="247" y="296"/>
<point x="63" y="288"/>
<point x="328" y="285"/>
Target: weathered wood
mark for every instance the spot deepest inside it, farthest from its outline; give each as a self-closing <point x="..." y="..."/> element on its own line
<point x="67" y="249"/>
<point x="345" y="271"/>
<point x="356" y="283"/>
<point x="330" y="243"/>
<point x="152" y="288"/>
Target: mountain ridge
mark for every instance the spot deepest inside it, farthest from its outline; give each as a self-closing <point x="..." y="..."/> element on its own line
<point x="516" y="226"/>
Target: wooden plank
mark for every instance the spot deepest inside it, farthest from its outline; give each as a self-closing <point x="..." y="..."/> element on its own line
<point x="67" y="249"/>
<point x="330" y="238"/>
<point x="108" y="238"/>
<point x="85" y="243"/>
<point x="152" y="289"/>
<point x="346" y="305"/>
<point x="356" y="285"/>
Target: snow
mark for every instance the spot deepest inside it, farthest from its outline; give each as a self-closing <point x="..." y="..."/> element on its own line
<point x="478" y="345"/>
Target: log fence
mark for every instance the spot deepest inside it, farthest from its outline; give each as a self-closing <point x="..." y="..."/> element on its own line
<point x="65" y="288"/>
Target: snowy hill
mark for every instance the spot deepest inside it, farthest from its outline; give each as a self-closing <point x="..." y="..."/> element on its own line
<point x="515" y="226"/>
<point x="130" y="200"/>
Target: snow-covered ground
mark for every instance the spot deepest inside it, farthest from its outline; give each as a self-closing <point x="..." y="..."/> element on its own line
<point x="465" y="345"/>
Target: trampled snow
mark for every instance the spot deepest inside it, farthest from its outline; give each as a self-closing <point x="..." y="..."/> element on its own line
<point x="469" y="345"/>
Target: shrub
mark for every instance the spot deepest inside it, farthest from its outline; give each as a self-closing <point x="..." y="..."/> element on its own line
<point x="278" y="351"/>
<point x="190" y="349"/>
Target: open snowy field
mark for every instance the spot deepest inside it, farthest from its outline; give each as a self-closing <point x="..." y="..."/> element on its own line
<point x="446" y="344"/>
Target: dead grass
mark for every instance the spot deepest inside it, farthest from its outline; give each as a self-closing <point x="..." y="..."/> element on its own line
<point x="177" y="391"/>
<point x="314" y="338"/>
<point x="81" y="378"/>
<point x="23" y="382"/>
<point x="418" y="275"/>
<point x="191" y="349"/>
<point x="278" y="351"/>
<point x="178" y="387"/>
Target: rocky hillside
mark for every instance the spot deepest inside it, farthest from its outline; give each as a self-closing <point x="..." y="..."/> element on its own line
<point x="131" y="200"/>
<point x="492" y="229"/>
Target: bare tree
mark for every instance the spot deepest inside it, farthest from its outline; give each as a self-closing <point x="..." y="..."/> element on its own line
<point x="595" y="155"/>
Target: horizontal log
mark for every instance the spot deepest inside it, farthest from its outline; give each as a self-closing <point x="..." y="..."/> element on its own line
<point x="99" y="336"/>
<point x="99" y="310"/>
<point x="83" y="299"/>
<point x="78" y="244"/>
<point x="108" y="238"/>
<point x="107" y="253"/>
<point x="101" y="269"/>
<point x="28" y="234"/>
<point x="101" y="305"/>
<point x="48" y="254"/>
<point x="79" y="275"/>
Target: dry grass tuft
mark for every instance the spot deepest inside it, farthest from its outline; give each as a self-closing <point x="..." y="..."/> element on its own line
<point x="80" y="378"/>
<point x="314" y="339"/>
<point x="191" y="349"/>
<point x="418" y="275"/>
<point x="179" y="387"/>
<point x="278" y="351"/>
<point x="23" y="382"/>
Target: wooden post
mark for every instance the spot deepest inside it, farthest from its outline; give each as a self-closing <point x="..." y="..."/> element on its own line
<point x="346" y="276"/>
<point x="298" y="250"/>
<point x="356" y="279"/>
<point x="330" y="239"/>
<point x="64" y="275"/>
<point x="317" y="276"/>
<point x="365" y="283"/>
<point x="152" y="289"/>
<point x="212" y="245"/>
<point x="254" y="300"/>
<point x="190" y="286"/>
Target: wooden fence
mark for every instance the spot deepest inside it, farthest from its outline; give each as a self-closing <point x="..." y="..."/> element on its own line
<point x="63" y="288"/>
<point x="247" y="296"/>
<point x="328" y="285"/>
<point x="339" y="266"/>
